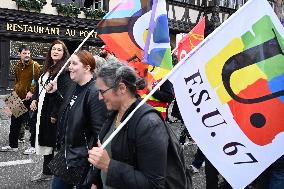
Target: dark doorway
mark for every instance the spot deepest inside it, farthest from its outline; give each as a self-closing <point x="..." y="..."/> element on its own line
<point x="72" y="46"/>
<point x="88" y="3"/>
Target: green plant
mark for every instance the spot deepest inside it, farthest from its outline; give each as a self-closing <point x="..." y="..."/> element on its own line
<point x="94" y="13"/>
<point x="37" y="5"/>
<point x="30" y="4"/>
<point x="70" y="9"/>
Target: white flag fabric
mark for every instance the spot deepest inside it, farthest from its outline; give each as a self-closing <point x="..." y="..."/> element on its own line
<point x="230" y="93"/>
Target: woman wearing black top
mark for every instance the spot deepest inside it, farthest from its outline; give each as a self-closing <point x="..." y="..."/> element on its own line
<point x="82" y="117"/>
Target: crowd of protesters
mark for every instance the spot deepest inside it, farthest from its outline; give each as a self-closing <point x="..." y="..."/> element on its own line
<point x="71" y="115"/>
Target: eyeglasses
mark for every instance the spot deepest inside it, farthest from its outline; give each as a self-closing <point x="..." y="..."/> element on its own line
<point x="104" y="91"/>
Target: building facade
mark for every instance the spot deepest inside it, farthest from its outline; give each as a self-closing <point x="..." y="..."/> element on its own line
<point x="37" y="23"/>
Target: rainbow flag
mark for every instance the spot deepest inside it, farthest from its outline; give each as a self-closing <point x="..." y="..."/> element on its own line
<point x="138" y="29"/>
<point x="186" y="44"/>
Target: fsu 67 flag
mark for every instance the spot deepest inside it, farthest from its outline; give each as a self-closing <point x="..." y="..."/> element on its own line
<point x="230" y="93"/>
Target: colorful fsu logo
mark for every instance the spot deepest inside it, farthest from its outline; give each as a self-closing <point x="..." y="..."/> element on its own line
<point x="248" y="76"/>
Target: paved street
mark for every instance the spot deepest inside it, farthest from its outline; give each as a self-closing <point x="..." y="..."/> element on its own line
<point x="17" y="169"/>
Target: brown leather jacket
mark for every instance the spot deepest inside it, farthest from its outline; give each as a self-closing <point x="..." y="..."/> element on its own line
<point x="24" y="77"/>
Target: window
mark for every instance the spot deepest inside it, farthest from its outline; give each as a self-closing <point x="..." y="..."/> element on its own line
<point x="79" y="2"/>
<point x="228" y="3"/>
<point x="38" y="50"/>
<point x="98" y="4"/>
<point x="283" y="9"/>
<point x="242" y="2"/>
<point x="272" y="4"/>
<point x="62" y="1"/>
<point x="95" y="4"/>
<point x="38" y="53"/>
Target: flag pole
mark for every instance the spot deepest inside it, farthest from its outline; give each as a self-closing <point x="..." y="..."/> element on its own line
<point x="175" y="68"/>
<point x="78" y="48"/>
<point x="145" y="99"/>
<point x="174" y="49"/>
<point x="150" y="31"/>
<point x="140" y="104"/>
<point x="68" y="60"/>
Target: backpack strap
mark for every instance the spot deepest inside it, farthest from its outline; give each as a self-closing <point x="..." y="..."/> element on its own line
<point x="175" y="151"/>
<point x="144" y="109"/>
<point x="131" y="131"/>
<point x="33" y="79"/>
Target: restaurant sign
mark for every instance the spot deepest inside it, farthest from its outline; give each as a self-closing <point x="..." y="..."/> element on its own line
<point x="47" y="30"/>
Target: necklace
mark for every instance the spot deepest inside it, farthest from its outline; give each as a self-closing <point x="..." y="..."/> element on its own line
<point x="122" y="111"/>
<point x="118" y="119"/>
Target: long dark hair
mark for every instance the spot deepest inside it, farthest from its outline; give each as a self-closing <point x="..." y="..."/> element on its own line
<point x="48" y="65"/>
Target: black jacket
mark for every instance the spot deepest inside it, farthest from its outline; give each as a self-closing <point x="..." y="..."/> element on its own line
<point x="83" y="120"/>
<point x="51" y="104"/>
<point x="165" y="93"/>
<point x="151" y="145"/>
<point x="278" y="164"/>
